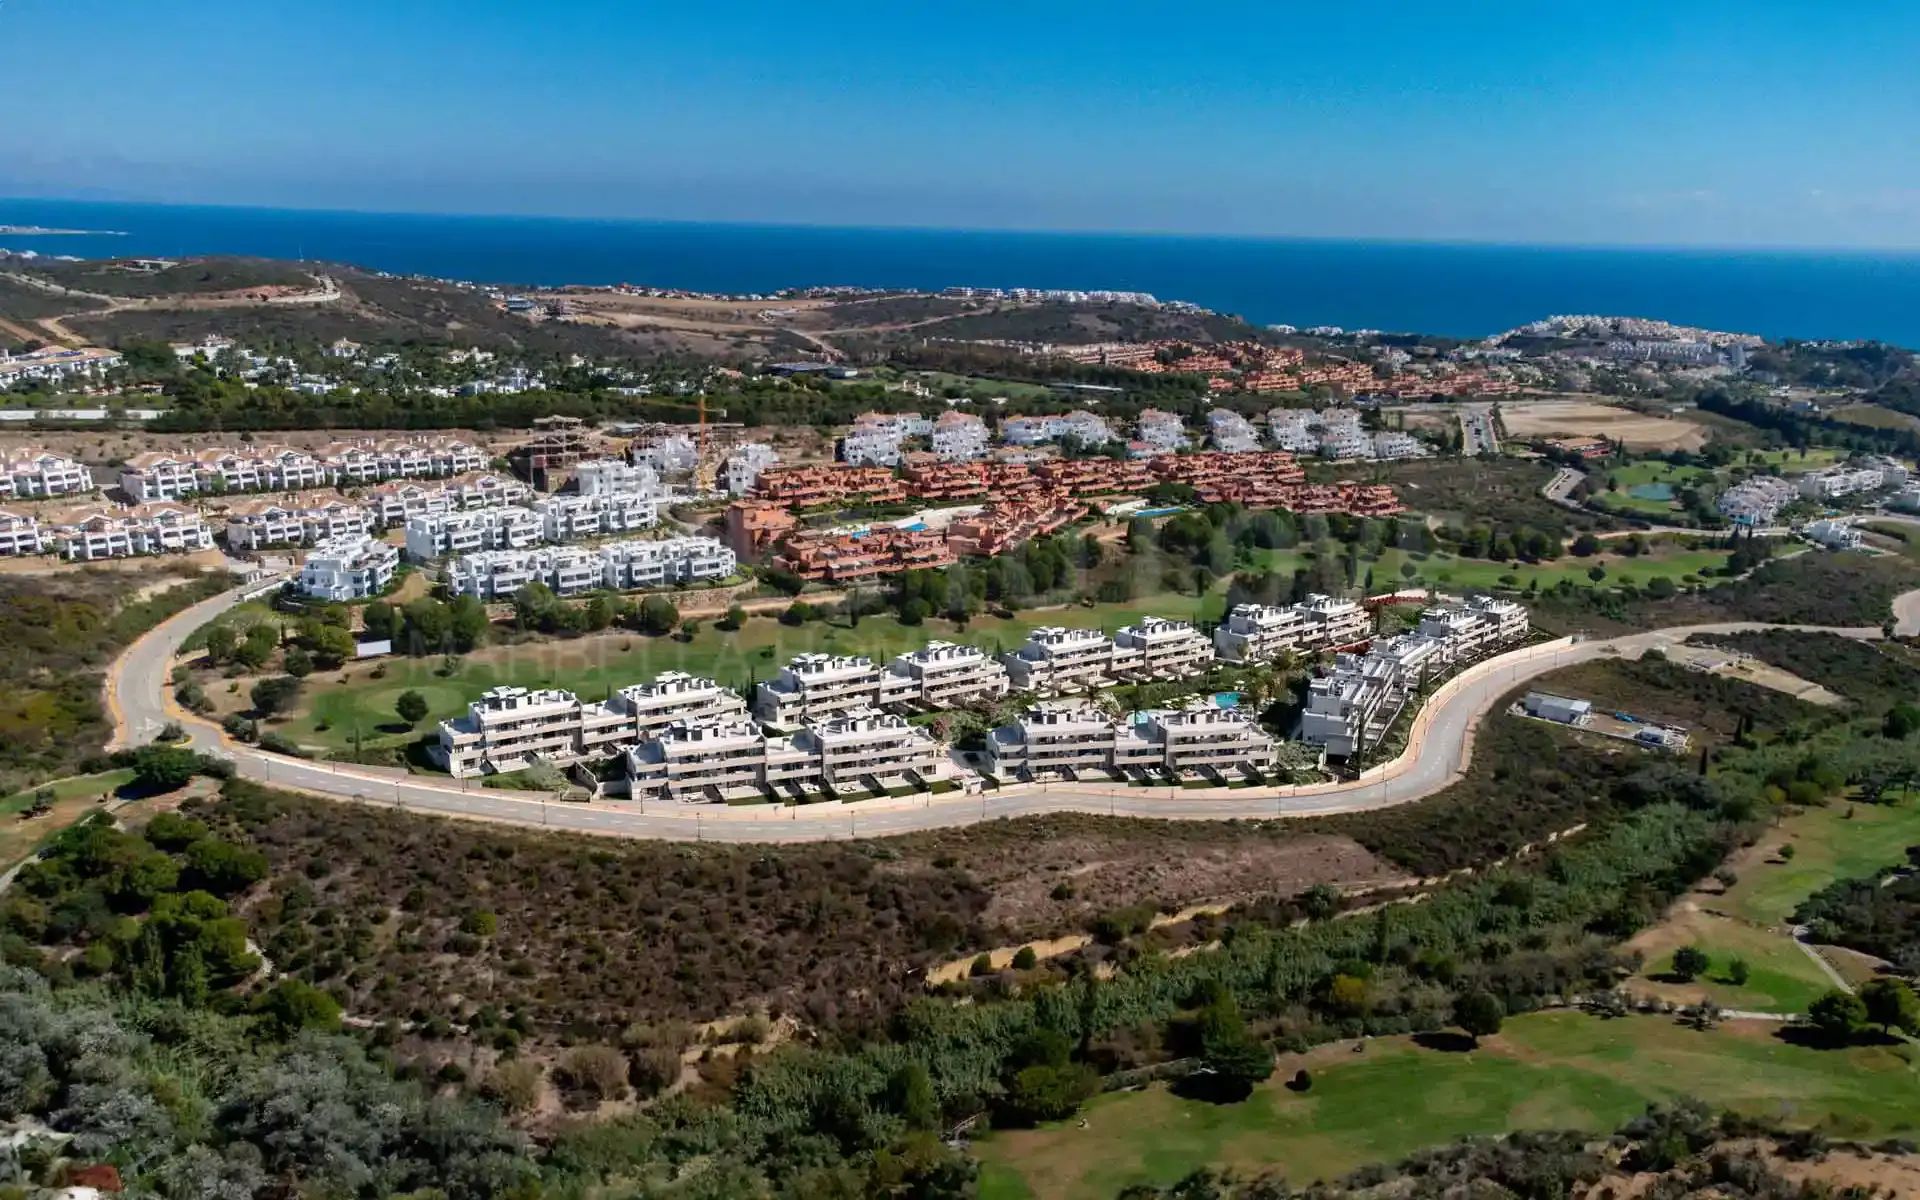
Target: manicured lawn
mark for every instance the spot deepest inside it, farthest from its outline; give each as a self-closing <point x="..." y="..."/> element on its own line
<point x="1781" y="978"/>
<point x="1448" y="571"/>
<point x="1557" y="1070"/>
<point x="1643" y="474"/>
<point x="594" y="666"/>
<point x="1827" y="846"/>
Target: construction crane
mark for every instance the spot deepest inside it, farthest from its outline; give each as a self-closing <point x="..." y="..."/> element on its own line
<point x="706" y="468"/>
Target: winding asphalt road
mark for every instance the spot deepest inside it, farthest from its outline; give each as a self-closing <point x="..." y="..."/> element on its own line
<point x="1439" y="744"/>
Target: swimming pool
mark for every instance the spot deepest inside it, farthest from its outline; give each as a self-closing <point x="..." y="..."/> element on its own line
<point x="1226" y="699"/>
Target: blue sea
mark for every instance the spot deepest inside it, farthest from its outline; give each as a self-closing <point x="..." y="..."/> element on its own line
<point x="1455" y="289"/>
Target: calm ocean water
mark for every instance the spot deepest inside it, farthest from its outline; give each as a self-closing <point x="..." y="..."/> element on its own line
<point x="1462" y="290"/>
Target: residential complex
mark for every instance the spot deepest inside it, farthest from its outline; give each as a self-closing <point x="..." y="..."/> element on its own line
<point x="101" y="531"/>
<point x="858" y="749"/>
<point x="1260" y="633"/>
<point x="1231" y="433"/>
<point x="296" y="521"/>
<point x="813" y="686"/>
<point x="1836" y="482"/>
<point x="158" y="475"/>
<point x="741" y="471"/>
<point x="433" y="534"/>
<point x="1756" y="501"/>
<point x="832" y="556"/>
<point x="573" y="518"/>
<point x="56" y="364"/>
<point x="944" y="675"/>
<point x="30" y="474"/>
<point x="1060" y="661"/>
<point x="599" y="476"/>
<point x="876" y="438"/>
<point x="1067" y="739"/>
<point x="397" y="502"/>
<point x="1160" y="432"/>
<point x="510" y="728"/>
<point x="1168" y="649"/>
<point x="22" y="533"/>
<point x="959" y="437"/>
<point x="570" y="570"/>
<point x="1080" y="425"/>
<point x="1353" y="706"/>
<point x="353" y="567"/>
<point x="1834" y="534"/>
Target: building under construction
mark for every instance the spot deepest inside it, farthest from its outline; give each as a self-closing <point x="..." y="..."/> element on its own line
<point x="546" y="460"/>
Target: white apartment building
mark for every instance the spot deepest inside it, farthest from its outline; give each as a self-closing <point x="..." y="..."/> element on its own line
<point x="673" y="452"/>
<point x="960" y="437"/>
<point x="814" y="686"/>
<point x="1330" y="433"/>
<point x="632" y="565"/>
<point x="570" y="570"/>
<point x="1199" y="738"/>
<point x="1033" y="431"/>
<point x="161" y="476"/>
<point x="718" y="759"/>
<point x="1841" y="481"/>
<point x="433" y="534"/>
<point x="32" y="474"/>
<point x="509" y="728"/>
<point x="95" y="533"/>
<point x="875" y="439"/>
<point x="1907" y="499"/>
<point x="155" y="475"/>
<point x="572" y="518"/>
<point x="1168" y="649"/>
<point x="1164" y="431"/>
<point x="1355" y="705"/>
<point x="348" y="568"/>
<point x="1834" y="534"/>
<point x="943" y="675"/>
<point x="57" y="364"/>
<point x="1060" y="661"/>
<point x="1230" y="432"/>
<point x="257" y="524"/>
<point x="599" y="476"/>
<point x="1064" y="739"/>
<point x="371" y="462"/>
<point x="862" y="748"/>
<point x="1254" y="633"/>
<point x="741" y="471"/>
<point x="1391" y="445"/>
<point x="1756" y="501"/>
<point x="397" y="502"/>
<point x="20" y="533"/>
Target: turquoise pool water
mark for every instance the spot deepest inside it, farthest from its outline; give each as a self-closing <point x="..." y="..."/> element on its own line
<point x="1651" y="491"/>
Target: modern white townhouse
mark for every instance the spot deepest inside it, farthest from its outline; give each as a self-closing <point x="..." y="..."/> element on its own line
<point x="259" y="524"/>
<point x="1231" y="433"/>
<point x="58" y="363"/>
<point x="1033" y="431"/>
<point x="31" y="474"/>
<point x="1164" y="431"/>
<point x="875" y="438"/>
<point x="1197" y="739"/>
<point x="960" y="437"/>
<point x="348" y="568"/>
<point x="1836" y="482"/>
<point x="863" y="748"/>
<point x="569" y="570"/>
<point x="367" y="462"/>
<point x="1834" y="534"/>
<point x="1357" y="702"/>
<point x="573" y="518"/>
<point x="600" y="476"/>
<point x="718" y="759"/>
<point x="741" y="471"/>
<point x="1907" y="499"/>
<point x="1330" y="433"/>
<point x="398" y="501"/>
<point x="498" y="574"/>
<point x="267" y="469"/>
<point x="1168" y="649"/>
<point x="1756" y="501"/>
<point x="1258" y="633"/>
<point x="813" y="686"/>
<point x="1069" y="738"/>
<point x="631" y="565"/>
<point x="1060" y="661"/>
<point x="1390" y="445"/>
<point x="89" y="534"/>
<point x="156" y="475"/>
<point x="431" y="535"/>
<point x="21" y="534"/>
<point x="944" y="675"/>
<point x="509" y="728"/>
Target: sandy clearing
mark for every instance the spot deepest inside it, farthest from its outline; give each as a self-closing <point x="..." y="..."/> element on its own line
<point x="1580" y="418"/>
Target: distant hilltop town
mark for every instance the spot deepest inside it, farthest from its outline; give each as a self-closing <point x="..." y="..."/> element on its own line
<point x="1637" y="328"/>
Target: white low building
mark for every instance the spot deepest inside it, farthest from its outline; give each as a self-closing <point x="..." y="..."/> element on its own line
<point x="27" y="473"/>
<point x="728" y="758"/>
<point x="434" y="534"/>
<point x="259" y="524"/>
<point x="1060" y="661"/>
<point x="603" y="476"/>
<point x="1231" y="433"/>
<point x="510" y="728"/>
<point x="348" y="568"/>
<point x="1835" y="482"/>
<point x="597" y="514"/>
<point x="1756" y="501"/>
<point x="1071" y="738"/>
<point x="632" y="565"/>
<point x="94" y="533"/>
<point x="396" y="502"/>
<point x="22" y="534"/>
<point x="569" y="570"/>
<point x="741" y="471"/>
<point x="943" y="675"/>
<point x="1259" y="633"/>
<point x="1168" y="649"/>
<point x="1834" y="534"/>
<point x="960" y="437"/>
<point x="813" y="686"/>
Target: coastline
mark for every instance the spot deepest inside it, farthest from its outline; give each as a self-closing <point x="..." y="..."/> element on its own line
<point x="42" y="231"/>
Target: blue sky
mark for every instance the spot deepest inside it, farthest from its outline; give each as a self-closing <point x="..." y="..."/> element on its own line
<point x="1631" y="121"/>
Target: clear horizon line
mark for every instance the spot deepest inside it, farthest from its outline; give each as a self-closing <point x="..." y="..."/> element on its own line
<point x="1726" y="248"/>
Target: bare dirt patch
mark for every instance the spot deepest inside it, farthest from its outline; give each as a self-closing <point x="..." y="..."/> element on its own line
<point x="1581" y="418"/>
